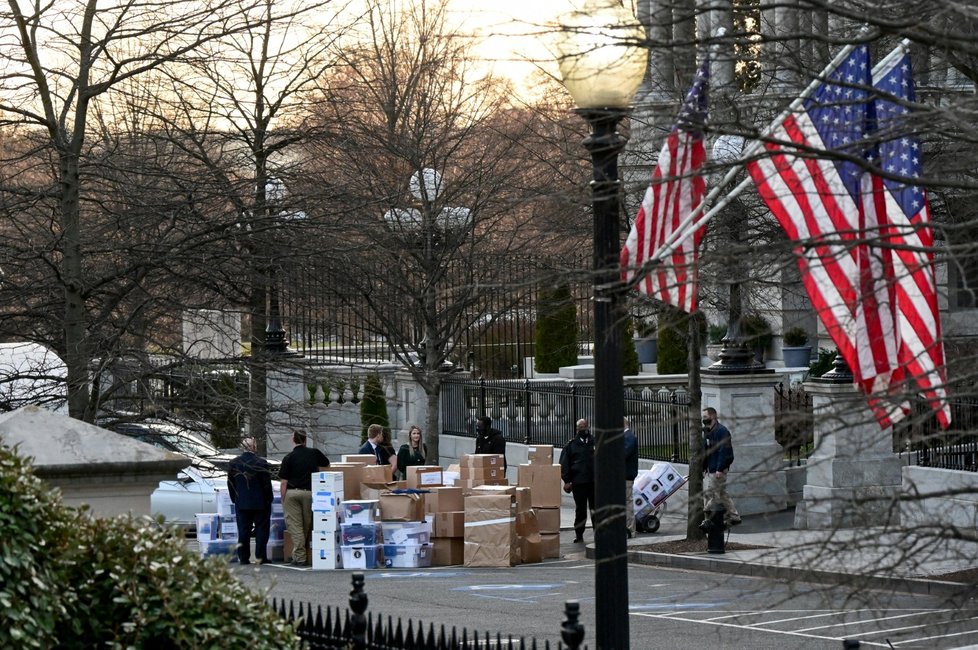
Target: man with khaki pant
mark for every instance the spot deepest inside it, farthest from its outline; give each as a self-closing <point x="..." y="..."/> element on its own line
<point x="296" y="473"/>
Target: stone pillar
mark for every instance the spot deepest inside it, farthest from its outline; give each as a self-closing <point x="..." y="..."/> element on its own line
<point x="853" y="476"/>
<point x="745" y="405"/>
<point x="287" y="397"/>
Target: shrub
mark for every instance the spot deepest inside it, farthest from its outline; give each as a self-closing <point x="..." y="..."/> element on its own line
<point x="672" y="356"/>
<point x="756" y="331"/>
<point x="71" y="581"/>
<point x="795" y="337"/>
<point x="715" y="333"/>
<point x="556" y="330"/>
<point x="373" y="405"/>
<point x="823" y="364"/>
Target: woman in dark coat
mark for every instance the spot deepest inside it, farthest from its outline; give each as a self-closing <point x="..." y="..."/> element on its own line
<point x="412" y="453"/>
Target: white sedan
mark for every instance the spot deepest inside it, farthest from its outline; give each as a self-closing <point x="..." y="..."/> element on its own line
<point x="193" y="491"/>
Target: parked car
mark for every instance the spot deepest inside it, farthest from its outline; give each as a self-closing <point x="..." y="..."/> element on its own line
<point x="194" y="490"/>
<point x="179" y="438"/>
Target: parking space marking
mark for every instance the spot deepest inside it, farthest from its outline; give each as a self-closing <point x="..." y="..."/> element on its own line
<point x="918" y="612"/>
<point x="939" y="636"/>
<point x="674" y="617"/>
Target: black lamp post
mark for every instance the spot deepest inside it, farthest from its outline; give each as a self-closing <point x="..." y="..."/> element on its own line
<point x="276" y="338"/>
<point x="602" y="65"/>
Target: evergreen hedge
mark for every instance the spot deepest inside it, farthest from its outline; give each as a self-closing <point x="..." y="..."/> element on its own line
<point x="556" y="330"/>
<point x="373" y="405"/>
<point x="629" y="357"/>
<point x="68" y="580"/>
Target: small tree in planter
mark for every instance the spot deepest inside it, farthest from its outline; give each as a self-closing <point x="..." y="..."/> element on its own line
<point x="646" y="341"/>
<point x="629" y="355"/>
<point x="556" y="330"/>
<point x="373" y="406"/>
<point x="797" y="352"/>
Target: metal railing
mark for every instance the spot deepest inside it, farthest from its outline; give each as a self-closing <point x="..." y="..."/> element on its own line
<point x="543" y="412"/>
<point x="920" y="437"/>
<point x="794" y="422"/>
<point x="357" y="630"/>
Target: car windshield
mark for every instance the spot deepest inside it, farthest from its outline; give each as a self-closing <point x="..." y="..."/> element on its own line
<point x="189" y="444"/>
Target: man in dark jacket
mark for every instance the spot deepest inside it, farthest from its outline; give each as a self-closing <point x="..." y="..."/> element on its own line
<point x="631" y="471"/>
<point x="375" y="445"/>
<point x="577" y="472"/>
<point x="250" y="485"/>
<point x="719" y="457"/>
<point x="489" y="440"/>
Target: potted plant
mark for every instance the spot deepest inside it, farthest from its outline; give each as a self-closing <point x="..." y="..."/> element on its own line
<point x="797" y="352"/>
<point x="645" y="341"/>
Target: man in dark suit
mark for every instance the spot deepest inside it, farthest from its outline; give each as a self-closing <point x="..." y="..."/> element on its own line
<point x="250" y="485"/>
<point x="374" y="445"/>
<point x="577" y="472"/>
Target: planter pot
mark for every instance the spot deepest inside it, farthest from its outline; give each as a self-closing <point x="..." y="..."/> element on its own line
<point x="646" y="350"/>
<point x="798" y="357"/>
<point x="713" y="350"/>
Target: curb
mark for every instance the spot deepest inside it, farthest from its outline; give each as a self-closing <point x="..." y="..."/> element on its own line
<point x="715" y="564"/>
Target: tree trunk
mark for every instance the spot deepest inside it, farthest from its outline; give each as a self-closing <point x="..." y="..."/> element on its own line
<point x="432" y="426"/>
<point x="77" y="344"/>
<point x="257" y="392"/>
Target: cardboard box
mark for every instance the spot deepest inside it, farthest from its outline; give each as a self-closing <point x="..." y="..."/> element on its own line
<point x="208" y="526"/>
<point x="325" y="559"/>
<point x="406" y="556"/>
<point x="444" y="499"/>
<point x="229" y="528"/>
<point x="550" y="543"/>
<point x="424" y="476"/>
<point x="447" y="551"/>
<point x="351" y="478"/>
<point x="470" y="483"/>
<point x="531" y="549"/>
<point x="325" y="522"/>
<point x="326" y="501"/>
<point x="490" y="531"/>
<point x="524" y="499"/>
<point x="329" y="481"/>
<point x="484" y="473"/>
<point x="540" y="454"/>
<point x="376" y="474"/>
<point x="451" y="476"/>
<point x="225" y="508"/>
<point x="448" y="524"/>
<point x="548" y="519"/>
<point x="365" y="459"/>
<point x="362" y="557"/>
<point x="544" y="483"/>
<point x="407" y="532"/>
<point x="526" y="524"/>
<point x="401" y="507"/>
<point x="374" y="490"/>
<point x="481" y="461"/>
<point x="507" y="490"/>
<point x="325" y="540"/>
<point x="359" y="512"/>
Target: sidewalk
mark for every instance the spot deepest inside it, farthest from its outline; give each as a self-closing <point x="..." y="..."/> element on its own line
<point x="874" y="558"/>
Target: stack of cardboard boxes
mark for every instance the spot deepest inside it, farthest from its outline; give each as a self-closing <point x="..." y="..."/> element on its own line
<point x="407" y="535"/>
<point x="327" y="494"/>
<point x="653" y="486"/>
<point x="542" y="476"/>
<point x="445" y="507"/>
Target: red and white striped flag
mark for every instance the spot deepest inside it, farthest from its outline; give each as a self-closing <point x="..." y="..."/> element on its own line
<point x="827" y="206"/>
<point x="676" y="190"/>
<point x="911" y="239"/>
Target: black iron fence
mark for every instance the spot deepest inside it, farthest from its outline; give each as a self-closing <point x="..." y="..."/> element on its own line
<point x="492" y="336"/>
<point x="794" y="423"/>
<point x="354" y="629"/>
<point x="921" y="438"/>
<point x="544" y="412"/>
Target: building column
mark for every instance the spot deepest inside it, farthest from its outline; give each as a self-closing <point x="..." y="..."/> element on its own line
<point x="745" y="405"/>
<point x="853" y="476"/>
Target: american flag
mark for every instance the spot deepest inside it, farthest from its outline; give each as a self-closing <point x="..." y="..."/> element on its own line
<point x="823" y="205"/>
<point x="676" y="190"/>
<point x="918" y="321"/>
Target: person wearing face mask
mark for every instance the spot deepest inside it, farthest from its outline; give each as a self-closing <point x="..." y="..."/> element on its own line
<point x="577" y="472"/>
<point x="719" y="457"/>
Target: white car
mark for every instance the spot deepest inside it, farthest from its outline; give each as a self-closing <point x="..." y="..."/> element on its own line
<point x="193" y="491"/>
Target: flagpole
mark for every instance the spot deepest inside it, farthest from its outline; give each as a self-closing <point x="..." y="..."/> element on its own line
<point x="687" y="226"/>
